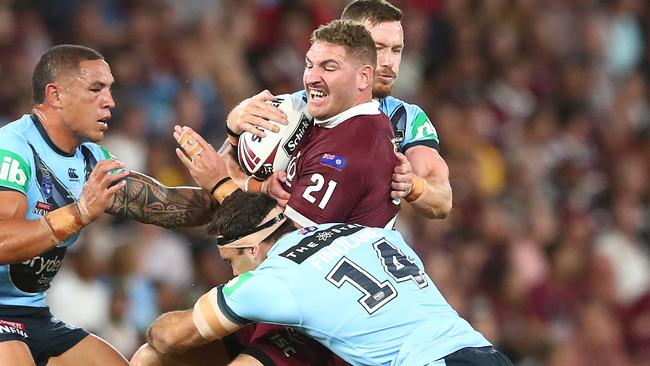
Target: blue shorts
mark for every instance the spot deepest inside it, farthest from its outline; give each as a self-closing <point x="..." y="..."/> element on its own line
<point x="474" y="356"/>
<point x="45" y="335"/>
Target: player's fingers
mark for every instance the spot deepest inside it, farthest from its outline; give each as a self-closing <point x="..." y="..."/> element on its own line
<point x="184" y="159"/>
<point x="270" y="112"/>
<point x="103" y="167"/>
<point x="281" y="175"/>
<point x="265" y="95"/>
<point x="249" y="127"/>
<point x="197" y="136"/>
<point x="184" y="137"/>
<point x="112" y="190"/>
<point x="263" y="122"/>
<point x="109" y="179"/>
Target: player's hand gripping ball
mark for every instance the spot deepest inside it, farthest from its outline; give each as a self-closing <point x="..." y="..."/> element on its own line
<point x="261" y="156"/>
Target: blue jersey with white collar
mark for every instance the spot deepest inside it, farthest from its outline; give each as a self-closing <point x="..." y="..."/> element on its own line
<point x="49" y="178"/>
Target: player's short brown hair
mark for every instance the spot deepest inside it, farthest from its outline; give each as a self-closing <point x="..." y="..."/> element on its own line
<point x="242" y="211"/>
<point x="374" y="11"/>
<point x="351" y="35"/>
<point x="54" y="62"/>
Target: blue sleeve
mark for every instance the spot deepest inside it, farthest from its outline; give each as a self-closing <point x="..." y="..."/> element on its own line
<point x="16" y="167"/>
<point x="258" y="296"/>
<point x="411" y="125"/>
<point x="419" y="129"/>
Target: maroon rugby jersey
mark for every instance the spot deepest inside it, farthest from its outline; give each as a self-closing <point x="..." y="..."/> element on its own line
<point x="342" y="170"/>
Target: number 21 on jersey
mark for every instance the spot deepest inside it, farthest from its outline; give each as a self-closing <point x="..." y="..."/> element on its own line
<point x="319" y="183"/>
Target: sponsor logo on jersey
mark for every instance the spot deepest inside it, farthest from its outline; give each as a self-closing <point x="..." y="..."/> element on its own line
<point x="7" y="327"/>
<point x="291" y="168"/>
<point x="319" y="240"/>
<point x="72" y="174"/>
<point x="233" y="284"/>
<point x="301" y="130"/>
<point x="423" y="128"/>
<point x="42" y="208"/>
<point x="335" y="161"/>
<point x="14" y="172"/>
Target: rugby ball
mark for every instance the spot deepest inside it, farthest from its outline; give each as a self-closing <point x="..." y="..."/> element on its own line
<point x="261" y="156"/>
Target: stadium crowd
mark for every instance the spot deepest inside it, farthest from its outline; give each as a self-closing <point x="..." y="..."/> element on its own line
<point x="543" y="113"/>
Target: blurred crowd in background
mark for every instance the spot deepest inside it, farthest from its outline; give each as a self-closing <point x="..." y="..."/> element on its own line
<point x="543" y="112"/>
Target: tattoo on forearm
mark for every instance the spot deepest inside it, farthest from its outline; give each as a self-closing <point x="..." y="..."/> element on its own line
<point x="148" y="201"/>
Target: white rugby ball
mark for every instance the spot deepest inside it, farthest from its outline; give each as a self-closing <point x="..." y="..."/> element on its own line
<point x="261" y="156"/>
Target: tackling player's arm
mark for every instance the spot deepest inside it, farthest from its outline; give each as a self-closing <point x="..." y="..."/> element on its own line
<point x="179" y="331"/>
<point x="421" y="176"/>
<point x="21" y="239"/>
<point x="430" y="192"/>
<point x="146" y="200"/>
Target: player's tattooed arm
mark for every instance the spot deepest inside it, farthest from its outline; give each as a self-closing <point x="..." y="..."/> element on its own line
<point x="146" y="200"/>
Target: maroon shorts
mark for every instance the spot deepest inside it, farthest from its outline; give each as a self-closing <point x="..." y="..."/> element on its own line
<point x="276" y="345"/>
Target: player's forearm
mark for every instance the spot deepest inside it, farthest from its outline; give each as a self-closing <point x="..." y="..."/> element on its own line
<point x="146" y="200"/>
<point x="436" y="201"/>
<point x="24" y="239"/>
<point x="174" y="333"/>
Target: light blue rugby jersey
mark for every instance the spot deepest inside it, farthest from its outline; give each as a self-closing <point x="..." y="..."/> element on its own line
<point x="359" y="291"/>
<point x="411" y="125"/>
<point x="50" y="178"/>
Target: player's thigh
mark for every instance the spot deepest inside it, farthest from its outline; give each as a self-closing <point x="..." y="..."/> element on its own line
<point x="91" y="351"/>
<point x="15" y="353"/>
<point x="213" y="354"/>
<point x="245" y="360"/>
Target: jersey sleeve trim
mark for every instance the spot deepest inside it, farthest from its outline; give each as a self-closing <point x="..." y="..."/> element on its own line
<point x="227" y="311"/>
<point x="428" y="143"/>
<point x="297" y="217"/>
<point x="209" y="320"/>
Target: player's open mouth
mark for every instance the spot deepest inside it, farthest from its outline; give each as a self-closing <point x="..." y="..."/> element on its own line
<point x="317" y="95"/>
<point x="103" y="122"/>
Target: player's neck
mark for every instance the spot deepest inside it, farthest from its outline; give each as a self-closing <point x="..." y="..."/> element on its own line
<point x="56" y="130"/>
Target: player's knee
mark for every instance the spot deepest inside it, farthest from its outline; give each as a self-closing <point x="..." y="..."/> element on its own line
<point x="146" y="356"/>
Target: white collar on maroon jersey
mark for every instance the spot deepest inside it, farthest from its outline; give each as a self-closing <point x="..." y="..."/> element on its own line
<point x="371" y="107"/>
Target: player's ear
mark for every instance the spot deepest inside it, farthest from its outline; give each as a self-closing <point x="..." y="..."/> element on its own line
<point x="52" y="95"/>
<point x="365" y="77"/>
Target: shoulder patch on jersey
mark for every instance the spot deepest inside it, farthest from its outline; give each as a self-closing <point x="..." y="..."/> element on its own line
<point x="107" y="154"/>
<point x="233" y="284"/>
<point x="335" y="161"/>
<point x="14" y="171"/>
<point x="423" y="128"/>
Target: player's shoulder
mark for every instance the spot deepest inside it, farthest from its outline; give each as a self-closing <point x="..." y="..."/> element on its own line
<point x="15" y="136"/>
<point x="98" y="151"/>
<point x="18" y="130"/>
<point x="389" y="105"/>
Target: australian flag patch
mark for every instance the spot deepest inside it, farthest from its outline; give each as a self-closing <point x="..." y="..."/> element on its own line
<point x="335" y="161"/>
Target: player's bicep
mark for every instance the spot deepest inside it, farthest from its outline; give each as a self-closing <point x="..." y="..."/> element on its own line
<point x="427" y="163"/>
<point x="13" y="204"/>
